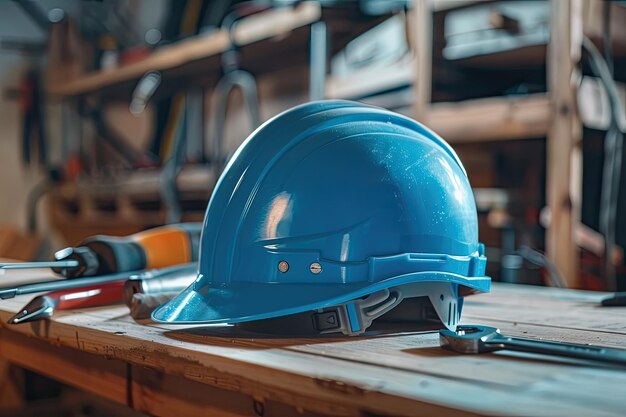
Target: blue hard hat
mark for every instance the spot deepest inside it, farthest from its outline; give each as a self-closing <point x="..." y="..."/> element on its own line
<point x="336" y="204"/>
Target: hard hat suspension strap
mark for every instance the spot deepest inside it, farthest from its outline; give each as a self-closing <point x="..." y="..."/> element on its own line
<point x="356" y="316"/>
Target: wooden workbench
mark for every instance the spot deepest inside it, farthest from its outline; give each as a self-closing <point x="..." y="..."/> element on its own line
<point x="195" y="371"/>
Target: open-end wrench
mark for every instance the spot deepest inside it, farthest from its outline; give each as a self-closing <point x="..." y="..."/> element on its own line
<point x="481" y="339"/>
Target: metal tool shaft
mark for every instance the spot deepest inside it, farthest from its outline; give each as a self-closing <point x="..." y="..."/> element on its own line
<point x="38" y="308"/>
<point x="70" y="263"/>
<point x="570" y="350"/>
<point x="483" y="339"/>
<point x="62" y="284"/>
<point x="167" y="280"/>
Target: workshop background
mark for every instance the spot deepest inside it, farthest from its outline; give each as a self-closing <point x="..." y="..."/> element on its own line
<point x="117" y="116"/>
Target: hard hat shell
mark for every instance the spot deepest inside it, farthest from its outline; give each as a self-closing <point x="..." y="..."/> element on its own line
<point x="329" y="202"/>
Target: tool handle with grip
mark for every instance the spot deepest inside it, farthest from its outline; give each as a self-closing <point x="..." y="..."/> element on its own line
<point x="60" y="284"/>
<point x="572" y="350"/>
<point x="89" y="296"/>
<point x="142" y="305"/>
<point x="63" y="284"/>
<point x="154" y="248"/>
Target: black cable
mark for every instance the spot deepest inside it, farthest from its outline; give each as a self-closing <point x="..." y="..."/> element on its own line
<point x="613" y="154"/>
<point x="535" y="257"/>
<point x="133" y="156"/>
<point x="606" y="34"/>
<point x="600" y="68"/>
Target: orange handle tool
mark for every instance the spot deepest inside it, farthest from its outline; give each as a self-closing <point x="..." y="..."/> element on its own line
<point x="154" y="248"/>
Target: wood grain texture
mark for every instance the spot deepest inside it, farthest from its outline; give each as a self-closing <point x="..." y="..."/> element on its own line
<point x="200" y="367"/>
<point x="11" y="385"/>
<point x="421" y="41"/>
<point x="93" y="374"/>
<point x="156" y="393"/>
<point x="498" y="118"/>
<point x="564" y="136"/>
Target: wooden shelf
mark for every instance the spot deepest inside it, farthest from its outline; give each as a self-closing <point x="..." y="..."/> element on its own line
<point x="497" y="118"/>
<point x="479" y="120"/>
<point x="266" y="25"/>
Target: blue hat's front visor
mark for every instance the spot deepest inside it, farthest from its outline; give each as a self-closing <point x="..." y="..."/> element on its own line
<point x="240" y="302"/>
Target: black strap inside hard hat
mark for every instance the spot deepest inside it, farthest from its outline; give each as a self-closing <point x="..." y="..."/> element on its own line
<point x="412" y="314"/>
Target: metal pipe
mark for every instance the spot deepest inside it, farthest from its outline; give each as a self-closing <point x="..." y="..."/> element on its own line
<point x="317" y="66"/>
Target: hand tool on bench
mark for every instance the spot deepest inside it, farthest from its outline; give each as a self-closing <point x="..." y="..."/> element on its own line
<point x="142" y="305"/>
<point x="154" y="248"/>
<point x="62" y="284"/>
<point x="34" y="265"/>
<point x="92" y="295"/>
<point x="616" y="300"/>
<point x="44" y="306"/>
<point x="482" y="339"/>
<point x="143" y="293"/>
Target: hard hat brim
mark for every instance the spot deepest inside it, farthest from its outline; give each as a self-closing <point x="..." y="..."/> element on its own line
<point x="241" y="302"/>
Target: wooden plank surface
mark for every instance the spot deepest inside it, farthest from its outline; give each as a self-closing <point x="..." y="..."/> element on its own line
<point x="381" y="374"/>
<point x="93" y="374"/>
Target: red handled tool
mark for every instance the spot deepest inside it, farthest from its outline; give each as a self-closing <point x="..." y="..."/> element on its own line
<point x="45" y="305"/>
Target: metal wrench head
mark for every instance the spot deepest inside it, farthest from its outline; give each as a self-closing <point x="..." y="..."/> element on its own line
<point x="38" y="308"/>
<point x="470" y="339"/>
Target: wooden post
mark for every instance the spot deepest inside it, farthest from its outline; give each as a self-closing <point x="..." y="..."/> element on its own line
<point x="11" y="386"/>
<point x="422" y="43"/>
<point x="564" y="136"/>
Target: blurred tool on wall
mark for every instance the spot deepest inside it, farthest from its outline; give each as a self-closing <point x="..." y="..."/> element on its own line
<point x="232" y="77"/>
<point x="34" y="141"/>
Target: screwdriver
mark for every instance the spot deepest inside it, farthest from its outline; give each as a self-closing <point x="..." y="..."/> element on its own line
<point x="44" y="306"/>
<point x="154" y="248"/>
<point x="104" y="293"/>
<point x="62" y="284"/>
<point x="144" y="293"/>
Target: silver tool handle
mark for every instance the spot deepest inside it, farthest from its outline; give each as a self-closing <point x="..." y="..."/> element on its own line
<point x="572" y="350"/>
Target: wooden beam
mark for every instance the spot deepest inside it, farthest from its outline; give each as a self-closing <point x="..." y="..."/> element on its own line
<point x="11" y="385"/>
<point x="107" y="378"/>
<point x="564" y="136"/>
<point x="422" y="43"/>
<point x="159" y="394"/>
<point x="496" y="118"/>
<point x="140" y="388"/>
